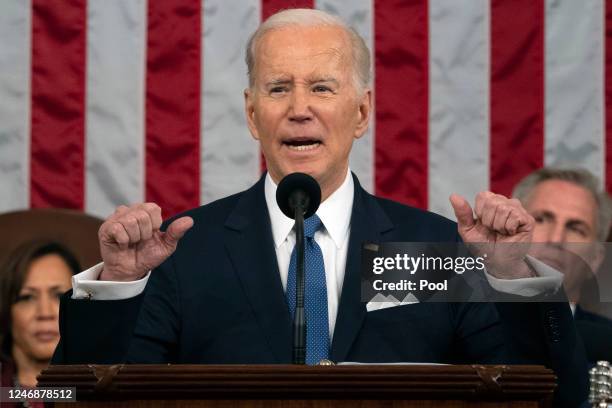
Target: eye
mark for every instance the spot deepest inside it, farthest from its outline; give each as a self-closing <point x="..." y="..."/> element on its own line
<point x="543" y="217"/>
<point x="25" y="297"/>
<point x="321" y="89"/>
<point x="277" y="90"/>
<point x="578" y="230"/>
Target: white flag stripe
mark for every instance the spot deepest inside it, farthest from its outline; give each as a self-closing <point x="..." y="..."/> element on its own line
<point x="15" y="29"/>
<point x="230" y="158"/>
<point x="575" y="84"/>
<point x="458" y="101"/>
<point x="115" y="104"/>
<point x="359" y="14"/>
<point x="459" y="158"/>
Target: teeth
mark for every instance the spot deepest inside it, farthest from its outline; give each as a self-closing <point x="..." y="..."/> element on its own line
<point x="302" y="148"/>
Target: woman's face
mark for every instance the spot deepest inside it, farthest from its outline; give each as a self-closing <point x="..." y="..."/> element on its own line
<point x="34" y="315"/>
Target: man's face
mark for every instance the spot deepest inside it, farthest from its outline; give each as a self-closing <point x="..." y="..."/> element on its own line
<point x="565" y="215"/>
<point x="564" y="212"/>
<point x="303" y="106"/>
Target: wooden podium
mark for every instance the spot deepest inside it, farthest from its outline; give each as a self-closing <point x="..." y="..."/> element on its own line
<point x="263" y="386"/>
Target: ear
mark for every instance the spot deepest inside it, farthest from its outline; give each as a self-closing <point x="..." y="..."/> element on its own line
<point x="249" y="110"/>
<point x="364" y="109"/>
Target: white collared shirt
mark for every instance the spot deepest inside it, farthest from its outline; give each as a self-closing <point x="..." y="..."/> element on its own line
<point x="333" y="237"/>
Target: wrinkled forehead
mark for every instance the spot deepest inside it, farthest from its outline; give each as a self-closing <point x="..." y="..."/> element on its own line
<point x="563" y="197"/>
<point x="302" y="49"/>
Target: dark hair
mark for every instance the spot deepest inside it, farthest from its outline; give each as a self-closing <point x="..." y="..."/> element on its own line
<point x="13" y="274"/>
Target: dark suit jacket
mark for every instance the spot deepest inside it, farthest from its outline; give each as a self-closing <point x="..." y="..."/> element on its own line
<point x="7" y="376"/>
<point x="219" y="299"/>
<point x="596" y="333"/>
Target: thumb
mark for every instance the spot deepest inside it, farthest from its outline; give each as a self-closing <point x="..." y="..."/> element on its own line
<point x="176" y="230"/>
<point x="463" y="211"/>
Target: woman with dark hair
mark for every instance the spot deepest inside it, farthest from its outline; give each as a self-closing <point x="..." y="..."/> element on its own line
<point x="32" y="280"/>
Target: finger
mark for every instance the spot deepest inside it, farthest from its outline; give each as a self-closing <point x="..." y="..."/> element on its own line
<point x="121" y="209"/>
<point x="463" y="211"/>
<point x="512" y="224"/>
<point x="149" y="219"/>
<point x="118" y="211"/>
<point x="526" y="222"/>
<point x="481" y="199"/>
<point x="515" y="202"/>
<point x="176" y="230"/>
<point x="144" y="224"/>
<point x="489" y="209"/>
<point x="524" y="219"/>
<point x="114" y="233"/>
<point x="502" y="214"/>
<point x="155" y="213"/>
<point x="130" y="224"/>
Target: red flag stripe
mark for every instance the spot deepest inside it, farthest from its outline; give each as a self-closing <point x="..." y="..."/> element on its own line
<point x="173" y="105"/>
<point x="517" y="91"/>
<point x="402" y="74"/>
<point x="57" y="103"/>
<point x="269" y="7"/>
<point x="608" y="94"/>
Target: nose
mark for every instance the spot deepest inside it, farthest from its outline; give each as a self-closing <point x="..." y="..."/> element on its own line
<point x="300" y="109"/>
<point x="47" y="307"/>
<point x="556" y="234"/>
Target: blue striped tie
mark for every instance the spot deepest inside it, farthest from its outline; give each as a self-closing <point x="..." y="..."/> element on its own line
<point x="315" y="296"/>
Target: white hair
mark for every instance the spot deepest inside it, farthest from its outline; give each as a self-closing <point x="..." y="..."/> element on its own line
<point x="313" y="18"/>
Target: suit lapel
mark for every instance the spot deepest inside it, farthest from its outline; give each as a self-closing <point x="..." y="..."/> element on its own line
<point x="248" y="238"/>
<point x="368" y="222"/>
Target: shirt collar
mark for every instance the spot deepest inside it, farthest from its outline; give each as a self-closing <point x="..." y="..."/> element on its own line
<point x="335" y="212"/>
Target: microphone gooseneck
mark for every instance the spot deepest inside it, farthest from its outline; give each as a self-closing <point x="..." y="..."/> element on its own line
<point x="298" y="195"/>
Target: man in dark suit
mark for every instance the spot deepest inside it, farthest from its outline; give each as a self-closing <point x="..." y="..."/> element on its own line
<point x="573" y="216"/>
<point x="218" y="296"/>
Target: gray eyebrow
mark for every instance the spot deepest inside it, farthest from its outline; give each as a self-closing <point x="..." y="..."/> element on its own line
<point x="324" y="79"/>
<point x="282" y="81"/>
<point x="278" y="82"/>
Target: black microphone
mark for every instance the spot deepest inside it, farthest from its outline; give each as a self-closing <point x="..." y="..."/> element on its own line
<point x="298" y="195"/>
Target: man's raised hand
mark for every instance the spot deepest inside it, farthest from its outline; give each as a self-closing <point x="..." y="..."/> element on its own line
<point x="496" y="220"/>
<point x="131" y="243"/>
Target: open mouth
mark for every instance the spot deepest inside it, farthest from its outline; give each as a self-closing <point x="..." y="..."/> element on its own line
<point x="302" y="145"/>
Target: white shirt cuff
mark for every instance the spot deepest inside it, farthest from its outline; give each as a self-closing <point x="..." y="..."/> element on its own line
<point x="86" y="285"/>
<point x="548" y="280"/>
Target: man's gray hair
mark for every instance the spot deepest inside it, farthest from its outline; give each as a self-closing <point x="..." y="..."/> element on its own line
<point x="580" y="177"/>
<point x="313" y="18"/>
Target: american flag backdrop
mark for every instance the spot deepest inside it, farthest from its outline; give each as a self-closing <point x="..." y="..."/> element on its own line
<point x="107" y="102"/>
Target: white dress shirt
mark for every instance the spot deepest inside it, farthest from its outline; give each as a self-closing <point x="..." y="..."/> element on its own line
<point x="335" y="214"/>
